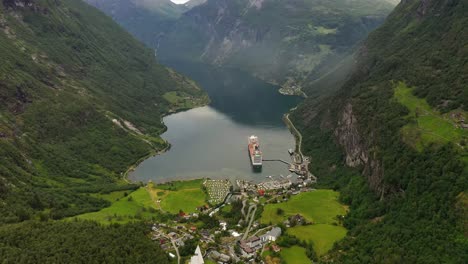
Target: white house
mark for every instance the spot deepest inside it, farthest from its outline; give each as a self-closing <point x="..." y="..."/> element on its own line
<point x="272" y="235"/>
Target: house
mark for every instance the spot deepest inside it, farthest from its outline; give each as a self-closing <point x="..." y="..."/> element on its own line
<point x="253" y="242"/>
<point x="271" y="235"/>
<point x="197" y="258"/>
<point x="219" y="256"/>
<point x="250" y="246"/>
<point x="223" y="225"/>
<point x="297" y="220"/>
<point x="247" y="252"/>
<point x="205" y="233"/>
<point x="275" y="248"/>
<point x="180" y="242"/>
<point x="234" y="233"/>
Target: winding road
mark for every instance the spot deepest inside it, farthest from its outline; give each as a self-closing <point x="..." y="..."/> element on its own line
<point x="250" y="213"/>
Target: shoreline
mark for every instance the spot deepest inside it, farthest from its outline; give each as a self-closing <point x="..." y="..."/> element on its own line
<point x="294" y="131"/>
<point x="154" y="152"/>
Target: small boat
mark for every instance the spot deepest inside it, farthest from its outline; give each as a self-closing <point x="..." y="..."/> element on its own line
<point x="291" y="151"/>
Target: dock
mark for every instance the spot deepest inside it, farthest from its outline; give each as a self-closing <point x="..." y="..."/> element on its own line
<point x="280" y="160"/>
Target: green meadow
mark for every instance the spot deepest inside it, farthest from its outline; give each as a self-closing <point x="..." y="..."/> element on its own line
<point x="181" y="100"/>
<point x="294" y="255"/>
<point x="427" y="125"/>
<point x="180" y="195"/>
<point x="135" y="206"/>
<point x="320" y="206"/>
<point x="322" y="235"/>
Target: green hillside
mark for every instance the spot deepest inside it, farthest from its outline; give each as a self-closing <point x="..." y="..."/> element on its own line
<point x="80" y="101"/>
<point x="79" y="242"/>
<point x="398" y="154"/>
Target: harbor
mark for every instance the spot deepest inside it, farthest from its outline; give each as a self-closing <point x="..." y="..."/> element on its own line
<point x="299" y="164"/>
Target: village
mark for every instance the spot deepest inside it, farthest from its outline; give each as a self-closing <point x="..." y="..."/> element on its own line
<point x="220" y="239"/>
<point x="228" y="228"/>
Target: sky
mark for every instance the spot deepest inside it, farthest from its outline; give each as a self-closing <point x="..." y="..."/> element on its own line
<point x="180" y="1"/>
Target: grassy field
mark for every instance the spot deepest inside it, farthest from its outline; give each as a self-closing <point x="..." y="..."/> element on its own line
<point x="181" y="195"/>
<point x="182" y="100"/>
<point x="294" y="255"/>
<point x="320" y="207"/>
<point x="137" y="205"/>
<point x="430" y="126"/>
<point x="322" y="235"/>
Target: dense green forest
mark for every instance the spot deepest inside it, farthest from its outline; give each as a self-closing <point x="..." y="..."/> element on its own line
<point x="408" y="204"/>
<point x="80" y="102"/>
<point x="78" y="242"/>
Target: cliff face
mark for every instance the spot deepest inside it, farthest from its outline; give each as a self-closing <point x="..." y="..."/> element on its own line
<point x="357" y="150"/>
<point x="394" y="52"/>
<point x="285" y="42"/>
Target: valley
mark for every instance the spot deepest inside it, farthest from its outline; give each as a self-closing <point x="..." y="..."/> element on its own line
<point x="126" y="132"/>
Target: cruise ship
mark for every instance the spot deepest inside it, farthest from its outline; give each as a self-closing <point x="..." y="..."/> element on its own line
<point x="254" y="152"/>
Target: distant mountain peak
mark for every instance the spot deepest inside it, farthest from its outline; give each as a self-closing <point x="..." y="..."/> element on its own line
<point x="193" y="3"/>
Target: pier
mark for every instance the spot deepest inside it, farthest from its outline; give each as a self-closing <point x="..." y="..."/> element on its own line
<point x="280" y="160"/>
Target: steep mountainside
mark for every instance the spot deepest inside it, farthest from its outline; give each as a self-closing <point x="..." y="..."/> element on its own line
<point x="400" y="122"/>
<point x="286" y="42"/>
<point x="145" y="19"/>
<point x="80" y="101"/>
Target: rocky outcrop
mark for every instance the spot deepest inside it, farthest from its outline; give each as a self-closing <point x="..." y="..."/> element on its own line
<point x="423" y="8"/>
<point x="348" y="137"/>
<point x="356" y="149"/>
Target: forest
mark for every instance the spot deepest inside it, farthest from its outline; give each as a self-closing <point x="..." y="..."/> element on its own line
<point x="417" y="213"/>
<point x="78" y="242"/>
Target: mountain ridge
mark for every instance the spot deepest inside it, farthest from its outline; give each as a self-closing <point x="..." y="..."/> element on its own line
<point x="81" y="100"/>
<point x="289" y="43"/>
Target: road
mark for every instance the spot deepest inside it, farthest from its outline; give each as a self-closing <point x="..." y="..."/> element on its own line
<point x="176" y="250"/>
<point x="298" y="134"/>
<point x="250" y="213"/>
<point x="243" y="207"/>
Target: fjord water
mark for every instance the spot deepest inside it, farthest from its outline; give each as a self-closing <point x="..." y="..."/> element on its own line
<point x="211" y="141"/>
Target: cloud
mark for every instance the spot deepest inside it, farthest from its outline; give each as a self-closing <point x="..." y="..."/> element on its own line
<point x="180" y="1"/>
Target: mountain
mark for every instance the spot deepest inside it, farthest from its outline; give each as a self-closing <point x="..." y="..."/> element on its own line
<point x="193" y="3"/>
<point x="393" y="139"/>
<point x="80" y="102"/>
<point x="286" y="42"/>
<point x="145" y="19"/>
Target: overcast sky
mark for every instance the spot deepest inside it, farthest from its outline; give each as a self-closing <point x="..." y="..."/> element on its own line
<point x="180" y="1"/>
